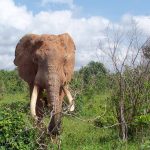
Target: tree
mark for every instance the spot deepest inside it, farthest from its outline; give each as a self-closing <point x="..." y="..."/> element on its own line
<point x="124" y="49"/>
<point x="88" y="81"/>
<point x="94" y="76"/>
<point x="146" y="49"/>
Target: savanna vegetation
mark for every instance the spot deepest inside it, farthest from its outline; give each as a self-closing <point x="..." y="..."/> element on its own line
<point x="95" y="123"/>
<point x="112" y="107"/>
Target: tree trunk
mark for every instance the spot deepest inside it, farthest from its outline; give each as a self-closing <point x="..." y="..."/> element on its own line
<point x="123" y="124"/>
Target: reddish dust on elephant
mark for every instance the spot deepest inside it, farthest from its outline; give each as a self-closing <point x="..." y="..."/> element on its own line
<point x="46" y="62"/>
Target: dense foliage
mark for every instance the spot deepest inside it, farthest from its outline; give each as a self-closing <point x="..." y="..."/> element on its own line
<point x="132" y="92"/>
<point x="95" y="123"/>
<point x="14" y="130"/>
<point x="11" y="83"/>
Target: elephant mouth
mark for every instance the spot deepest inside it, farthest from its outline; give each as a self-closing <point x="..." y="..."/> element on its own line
<point x="34" y="97"/>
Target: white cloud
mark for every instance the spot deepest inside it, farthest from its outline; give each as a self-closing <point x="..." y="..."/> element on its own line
<point x="70" y="3"/>
<point x="6" y="60"/>
<point x="13" y="16"/>
<point x="143" y="22"/>
<point x="86" y="32"/>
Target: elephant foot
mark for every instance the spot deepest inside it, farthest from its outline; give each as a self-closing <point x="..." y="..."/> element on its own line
<point x="53" y="130"/>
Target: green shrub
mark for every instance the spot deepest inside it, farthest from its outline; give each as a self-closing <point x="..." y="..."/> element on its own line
<point x="15" y="131"/>
<point x="145" y="145"/>
<point x="10" y="82"/>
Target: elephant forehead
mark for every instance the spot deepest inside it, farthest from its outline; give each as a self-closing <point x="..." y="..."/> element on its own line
<point x="48" y="37"/>
<point x="53" y="46"/>
<point x="51" y="50"/>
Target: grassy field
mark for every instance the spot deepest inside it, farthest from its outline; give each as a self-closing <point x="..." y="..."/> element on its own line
<point x="88" y="129"/>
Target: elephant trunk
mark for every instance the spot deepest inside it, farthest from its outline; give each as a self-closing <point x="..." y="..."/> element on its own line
<point x="55" y="103"/>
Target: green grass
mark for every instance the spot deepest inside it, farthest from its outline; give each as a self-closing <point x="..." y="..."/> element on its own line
<point x="10" y="98"/>
<point x="82" y="135"/>
<point x="78" y="133"/>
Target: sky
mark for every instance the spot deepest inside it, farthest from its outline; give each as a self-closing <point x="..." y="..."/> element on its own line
<point x="84" y="20"/>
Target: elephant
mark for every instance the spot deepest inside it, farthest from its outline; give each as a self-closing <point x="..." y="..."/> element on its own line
<point x="46" y="62"/>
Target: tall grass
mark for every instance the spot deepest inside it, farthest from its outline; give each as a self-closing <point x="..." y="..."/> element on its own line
<point x="80" y="131"/>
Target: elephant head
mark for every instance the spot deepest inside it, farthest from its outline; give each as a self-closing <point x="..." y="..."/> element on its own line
<point x="46" y="62"/>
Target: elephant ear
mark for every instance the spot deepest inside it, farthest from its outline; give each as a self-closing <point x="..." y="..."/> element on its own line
<point x="69" y="46"/>
<point x="24" y="58"/>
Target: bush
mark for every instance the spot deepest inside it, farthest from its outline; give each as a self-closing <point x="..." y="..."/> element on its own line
<point x="15" y="131"/>
<point x="10" y="82"/>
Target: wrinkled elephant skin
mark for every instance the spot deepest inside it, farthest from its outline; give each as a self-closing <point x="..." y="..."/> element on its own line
<point x="46" y="63"/>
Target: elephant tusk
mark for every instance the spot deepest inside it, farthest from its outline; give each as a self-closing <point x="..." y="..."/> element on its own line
<point x="33" y="101"/>
<point x="70" y="99"/>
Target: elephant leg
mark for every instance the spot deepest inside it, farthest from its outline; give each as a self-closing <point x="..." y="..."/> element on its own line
<point x="70" y="98"/>
<point x="40" y="106"/>
<point x="61" y="97"/>
<point x="61" y="94"/>
<point x="31" y="89"/>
